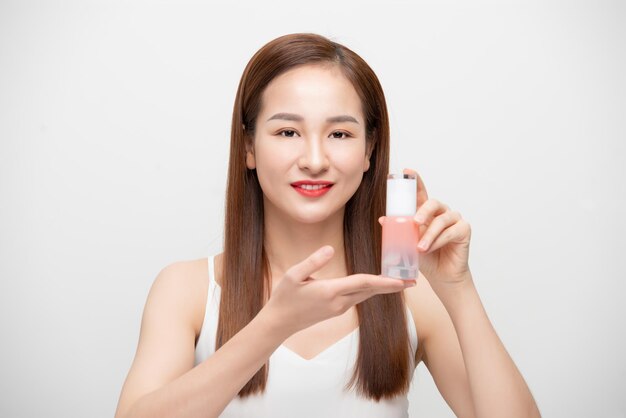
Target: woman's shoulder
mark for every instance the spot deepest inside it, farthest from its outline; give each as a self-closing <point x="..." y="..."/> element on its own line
<point x="185" y="285"/>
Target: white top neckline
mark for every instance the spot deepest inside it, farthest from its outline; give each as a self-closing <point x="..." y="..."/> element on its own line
<point x="303" y="387"/>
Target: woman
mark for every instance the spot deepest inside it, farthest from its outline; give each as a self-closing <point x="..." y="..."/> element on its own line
<point x="292" y="319"/>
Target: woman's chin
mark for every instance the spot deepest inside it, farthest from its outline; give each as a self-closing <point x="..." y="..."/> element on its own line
<point x="313" y="218"/>
<point x="311" y="214"/>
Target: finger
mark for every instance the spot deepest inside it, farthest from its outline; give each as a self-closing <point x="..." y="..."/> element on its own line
<point x="377" y="290"/>
<point x="360" y="296"/>
<point x="429" y="210"/>
<point x="368" y="283"/>
<point x="301" y="271"/>
<point x="458" y="232"/>
<point x="436" y="227"/>
<point x="422" y="193"/>
<point x="381" y="220"/>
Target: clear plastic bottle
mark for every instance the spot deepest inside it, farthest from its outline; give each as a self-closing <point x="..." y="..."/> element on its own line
<point x="400" y="234"/>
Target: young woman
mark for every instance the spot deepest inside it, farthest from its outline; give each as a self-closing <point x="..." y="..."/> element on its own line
<point x="293" y="318"/>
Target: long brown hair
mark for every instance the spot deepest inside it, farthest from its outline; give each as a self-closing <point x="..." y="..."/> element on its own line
<point x="382" y="368"/>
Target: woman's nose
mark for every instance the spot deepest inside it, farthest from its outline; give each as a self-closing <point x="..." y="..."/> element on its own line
<point x="314" y="157"/>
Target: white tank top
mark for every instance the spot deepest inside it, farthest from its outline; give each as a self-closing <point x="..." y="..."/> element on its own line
<point x="297" y="387"/>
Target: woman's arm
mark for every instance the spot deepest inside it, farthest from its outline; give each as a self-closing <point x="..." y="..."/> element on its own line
<point x="207" y="389"/>
<point x="439" y="349"/>
<point x="494" y="385"/>
<point x="497" y="388"/>
<point x="162" y="382"/>
<point x="470" y="367"/>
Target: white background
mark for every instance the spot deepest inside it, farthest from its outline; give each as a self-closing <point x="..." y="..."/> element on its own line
<point x="114" y="135"/>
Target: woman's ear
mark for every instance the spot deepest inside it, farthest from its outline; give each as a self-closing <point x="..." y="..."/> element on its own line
<point x="250" y="160"/>
<point x="368" y="154"/>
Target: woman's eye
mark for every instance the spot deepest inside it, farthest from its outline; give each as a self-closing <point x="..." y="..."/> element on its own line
<point x="288" y="133"/>
<point x="338" y="135"/>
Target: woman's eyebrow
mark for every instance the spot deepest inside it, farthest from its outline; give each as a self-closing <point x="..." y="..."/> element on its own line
<point x="298" y="118"/>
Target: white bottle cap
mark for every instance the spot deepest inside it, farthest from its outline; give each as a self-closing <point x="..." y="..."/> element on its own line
<point x="401" y="195"/>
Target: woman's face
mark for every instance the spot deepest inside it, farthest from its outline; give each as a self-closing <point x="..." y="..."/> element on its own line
<point x="310" y="128"/>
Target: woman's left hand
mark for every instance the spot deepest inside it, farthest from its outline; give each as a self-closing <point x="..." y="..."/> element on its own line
<point x="444" y="240"/>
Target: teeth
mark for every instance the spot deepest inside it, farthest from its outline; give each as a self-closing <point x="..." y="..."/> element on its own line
<point x="311" y="187"/>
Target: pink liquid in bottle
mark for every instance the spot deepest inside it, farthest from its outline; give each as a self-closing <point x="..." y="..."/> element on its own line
<point x="400" y="234"/>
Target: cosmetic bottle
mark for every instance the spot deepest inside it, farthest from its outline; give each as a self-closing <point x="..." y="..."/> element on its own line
<point x="400" y="233"/>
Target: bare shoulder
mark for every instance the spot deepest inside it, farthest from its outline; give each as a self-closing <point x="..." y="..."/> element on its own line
<point x="427" y="311"/>
<point x="185" y="285"/>
<point x="172" y="318"/>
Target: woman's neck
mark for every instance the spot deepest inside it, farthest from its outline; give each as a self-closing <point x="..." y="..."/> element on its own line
<point x="288" y="242"/>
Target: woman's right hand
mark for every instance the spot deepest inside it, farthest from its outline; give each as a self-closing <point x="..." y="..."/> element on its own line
<point x="299" y="301"/>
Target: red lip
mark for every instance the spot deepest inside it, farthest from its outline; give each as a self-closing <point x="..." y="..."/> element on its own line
<point x="312" y="182"/>
<point x="312" y="193"/>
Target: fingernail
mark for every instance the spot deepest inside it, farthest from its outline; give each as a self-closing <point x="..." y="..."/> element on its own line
<point x="419" y="219"/>
<point x="423" y="244"/>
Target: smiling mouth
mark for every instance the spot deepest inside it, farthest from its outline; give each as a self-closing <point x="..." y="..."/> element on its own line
<point x="312" y="190"/>
<point x="312" y="186"/>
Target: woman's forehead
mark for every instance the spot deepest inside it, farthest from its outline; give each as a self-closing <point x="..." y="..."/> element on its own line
<point x="312" y="92"/>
